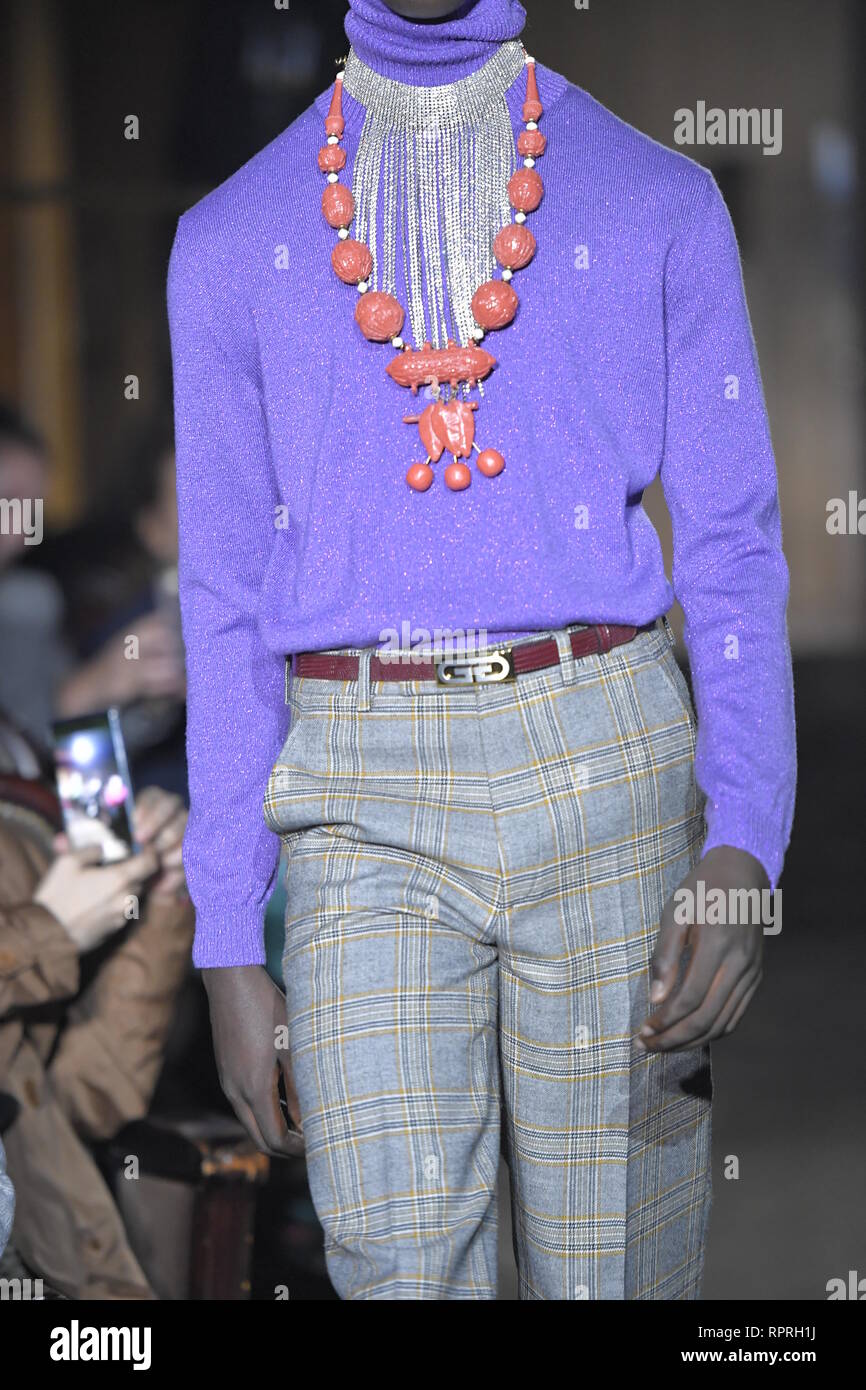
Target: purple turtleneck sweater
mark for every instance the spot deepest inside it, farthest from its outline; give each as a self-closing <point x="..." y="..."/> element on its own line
<point x="631" y="355"/>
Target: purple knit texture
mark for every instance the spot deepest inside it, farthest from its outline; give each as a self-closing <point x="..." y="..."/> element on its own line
<point x="428" y="54"/>
<point x="631" y="356"/>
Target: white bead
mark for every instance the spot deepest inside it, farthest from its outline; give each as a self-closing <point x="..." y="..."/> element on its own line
<point x="478" y="334"/>
<point x="333" y="178"/>
<point x="333" y="139"/>
<point x="397" y="341"/>
<point x="343" y="233"/>
<point x="529" y="162"/>
<point x="507" y="274"/>
<point x="363" y="286"/>
<point x="532" y="125"/>
<point x="520" y="217"/>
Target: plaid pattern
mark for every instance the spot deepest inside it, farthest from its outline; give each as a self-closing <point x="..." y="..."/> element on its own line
<point x="475" y="880"/>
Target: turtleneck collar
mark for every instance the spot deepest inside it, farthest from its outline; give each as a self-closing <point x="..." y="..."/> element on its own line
<point x="426" y="55"/>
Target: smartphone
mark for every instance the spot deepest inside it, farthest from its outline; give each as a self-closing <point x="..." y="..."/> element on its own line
<point x="94" y="785"/>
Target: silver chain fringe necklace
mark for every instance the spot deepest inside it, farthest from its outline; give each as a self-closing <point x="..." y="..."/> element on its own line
<point x="439" y="160"/>
<point x="434" y="173"/>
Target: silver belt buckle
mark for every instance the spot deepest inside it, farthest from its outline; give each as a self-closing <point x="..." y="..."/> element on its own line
<point x="477" y="670"/>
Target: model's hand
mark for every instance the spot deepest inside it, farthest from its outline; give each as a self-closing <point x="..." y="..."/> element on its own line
<point x="724" y="965"/>
<point x="246" y="1012"/>
<point x="89" y="898"/>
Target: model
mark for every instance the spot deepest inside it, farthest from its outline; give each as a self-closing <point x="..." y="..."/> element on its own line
<point x="431" y="346"/>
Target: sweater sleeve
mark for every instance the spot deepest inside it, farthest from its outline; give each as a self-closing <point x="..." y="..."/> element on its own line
<point x="719" y="478"/>
<point x="235" y="685"/>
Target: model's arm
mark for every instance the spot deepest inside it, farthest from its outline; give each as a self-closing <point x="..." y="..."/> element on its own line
<point x="236" y="714"/>
<point x="730" y="576"/>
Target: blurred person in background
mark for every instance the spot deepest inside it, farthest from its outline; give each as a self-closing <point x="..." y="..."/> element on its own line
<point x="118" y="573"/>
<point x="88" y="984"/>
<point x="31" y="606"/>
<point x="71" y="604"/>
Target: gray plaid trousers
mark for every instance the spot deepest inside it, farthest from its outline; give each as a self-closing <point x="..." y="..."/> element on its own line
<point x="475" y="881"/>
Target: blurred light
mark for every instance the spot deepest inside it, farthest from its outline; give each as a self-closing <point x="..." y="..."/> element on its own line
<point x="115" y="790"/>
<point x="82" y="749"/>
<point x="282" y="63"/>
<point x="834" y="160"/>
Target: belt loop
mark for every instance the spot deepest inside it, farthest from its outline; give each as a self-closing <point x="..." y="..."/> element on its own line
<point x="567" y="663"/>
<point x="668" y="630"/>
<point x="364" y="679"/>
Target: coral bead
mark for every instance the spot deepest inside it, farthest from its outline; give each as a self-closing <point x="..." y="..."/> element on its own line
<point x="494" y="304"/>
<point x="420" y="476"/>
<point x="532" y="143"/>
<point x="514" y="246"/>
<point x="490" y="462"/>
<point x="525" y="190"/>
<point x="338" y="205"/>
<point x="532" y="107"/>
<point x="352" y="261"/>
<point x="457" y="476"/>
<point x="334" y="123"/>
<point x="379" y="316"/>
<point x="331" y="157"/>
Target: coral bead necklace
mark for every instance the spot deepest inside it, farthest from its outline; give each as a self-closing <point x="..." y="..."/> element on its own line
<point x="447" y="425"/>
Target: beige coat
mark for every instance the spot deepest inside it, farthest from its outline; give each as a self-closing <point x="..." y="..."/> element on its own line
<point x="79" y="1062"/>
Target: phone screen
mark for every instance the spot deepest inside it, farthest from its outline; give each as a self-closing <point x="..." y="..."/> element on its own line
<point x="93" y="784"/>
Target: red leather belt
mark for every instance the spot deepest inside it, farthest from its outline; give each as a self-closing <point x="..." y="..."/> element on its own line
<point x="493" y="664"/>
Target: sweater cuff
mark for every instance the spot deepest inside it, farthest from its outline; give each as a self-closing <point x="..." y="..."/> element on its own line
<point x="742" y="827"/>
<point x="228" y="934"/>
